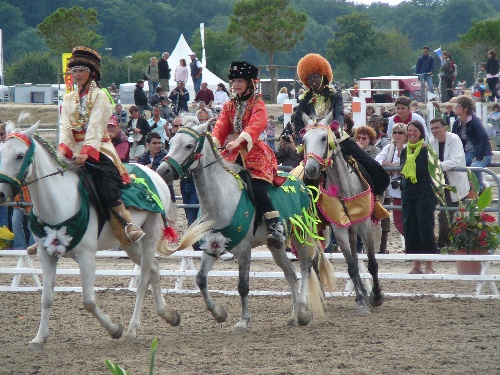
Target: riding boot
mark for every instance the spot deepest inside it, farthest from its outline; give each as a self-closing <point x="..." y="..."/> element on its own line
<point x="275" y="237"/>
<point x="383" y="243"/>
<point x="121" y="224"/>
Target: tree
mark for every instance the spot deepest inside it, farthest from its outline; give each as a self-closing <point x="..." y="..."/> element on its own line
<point x="355" y="43"/>
<point x="220" y="48"/>
<point x="33" y="67"/>
<point x="481" y="37"/>
<point x="456" y="16"/>
<point x="268" y="25"/>
<point x="67" y="28"/>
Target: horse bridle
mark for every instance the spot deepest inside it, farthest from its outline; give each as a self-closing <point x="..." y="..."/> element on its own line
<point x="325" y="160"/>
<point x="17" y="182"/>
<point x="195" y="154"/>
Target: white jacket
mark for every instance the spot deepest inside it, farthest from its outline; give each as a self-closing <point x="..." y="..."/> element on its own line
<point x="454" y="156"/>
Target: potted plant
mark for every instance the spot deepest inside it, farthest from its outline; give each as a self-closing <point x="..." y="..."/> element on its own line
<point x="473" y="231"/>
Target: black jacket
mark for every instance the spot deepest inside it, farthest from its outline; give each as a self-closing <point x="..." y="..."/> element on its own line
<point x="163" y="69"/>
<point x="492" y="66"/>
<point x="142" y="124"/>
<point x="144" y="159"/>
<point x="140" y="97"/>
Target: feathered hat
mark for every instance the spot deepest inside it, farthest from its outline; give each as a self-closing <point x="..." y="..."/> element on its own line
<point x="85" y="56"/>
<point x="313" y="63"/>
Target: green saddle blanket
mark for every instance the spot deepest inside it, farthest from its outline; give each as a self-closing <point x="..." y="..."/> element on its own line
<point x="292" y="201"/>
<point x="141" y="193"/>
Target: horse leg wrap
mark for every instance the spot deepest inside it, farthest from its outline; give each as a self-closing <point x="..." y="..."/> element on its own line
<point x="121" y="223"/>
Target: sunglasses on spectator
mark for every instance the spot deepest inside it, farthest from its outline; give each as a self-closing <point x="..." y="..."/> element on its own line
<point x="361" y="138"/>
<point x="176" y="126"/>
<point x="400" y="133"/>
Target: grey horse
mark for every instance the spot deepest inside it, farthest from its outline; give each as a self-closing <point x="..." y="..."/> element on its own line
<point x="326" y="167"/>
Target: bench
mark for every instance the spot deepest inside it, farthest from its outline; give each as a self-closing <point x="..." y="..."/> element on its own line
<point x="25" y="266"/>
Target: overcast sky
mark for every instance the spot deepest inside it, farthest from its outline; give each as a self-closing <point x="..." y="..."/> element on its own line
<point x="367" y="2"/>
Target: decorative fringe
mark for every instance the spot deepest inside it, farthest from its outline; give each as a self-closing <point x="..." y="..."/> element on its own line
<point x="170" y="234"/>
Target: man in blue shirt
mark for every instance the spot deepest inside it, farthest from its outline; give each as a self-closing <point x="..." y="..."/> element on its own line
<point x="425" y="68"/>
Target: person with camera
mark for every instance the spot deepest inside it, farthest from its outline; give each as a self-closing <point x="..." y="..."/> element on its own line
<point x="159" y="125"/>
<point x="137" y="129"/>
<point x="390" y="157"/>
<point x="286" y="154"/>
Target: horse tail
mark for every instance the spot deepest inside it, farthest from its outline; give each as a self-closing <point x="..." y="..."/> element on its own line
<point x="326" y="272"/>
<point x="193" y="234"/>
<point x="315" y="296"/>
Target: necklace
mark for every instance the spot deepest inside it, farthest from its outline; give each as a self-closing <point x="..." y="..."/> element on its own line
<point x="83" y="107"/>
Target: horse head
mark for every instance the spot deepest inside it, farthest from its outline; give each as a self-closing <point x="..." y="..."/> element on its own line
<point x="185" y="148"/>
<point x="16" y="158"/>
<point x="319" y="143"/>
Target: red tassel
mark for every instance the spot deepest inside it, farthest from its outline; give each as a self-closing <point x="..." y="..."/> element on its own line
<point x="170" y="234"/>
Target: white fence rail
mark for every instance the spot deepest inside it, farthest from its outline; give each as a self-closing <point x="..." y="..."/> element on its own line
<point x="25" y="266"/>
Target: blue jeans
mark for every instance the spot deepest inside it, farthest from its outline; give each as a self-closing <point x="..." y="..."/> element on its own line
<point x="4" y="216"/>
<point x="189" y="196"/>
<point x="143" y="107"/>
<point x="477" y="163"/>
<point x="152" y="89"/>
<point x="18" y="229"/>
<point x="197" y="83"/>
<point x="428" y="79"/>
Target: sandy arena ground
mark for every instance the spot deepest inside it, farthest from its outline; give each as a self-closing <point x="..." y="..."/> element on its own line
<point x="420" y="335"/>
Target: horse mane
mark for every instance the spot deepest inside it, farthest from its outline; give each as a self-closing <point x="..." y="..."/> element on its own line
<point x="50" y="149"/>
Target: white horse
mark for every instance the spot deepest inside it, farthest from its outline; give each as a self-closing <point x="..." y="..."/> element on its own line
<point x="28" y="160"/>
<point x="326" y="166"/>
<point x="219" y="191"/>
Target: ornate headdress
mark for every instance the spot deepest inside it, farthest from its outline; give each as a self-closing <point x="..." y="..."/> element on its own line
<point x="85" y="56"/>
<point x="313" y="63"/>
<point x="242" y="69"/>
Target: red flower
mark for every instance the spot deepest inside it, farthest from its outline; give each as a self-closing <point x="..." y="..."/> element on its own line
<point x="488" y="218"/>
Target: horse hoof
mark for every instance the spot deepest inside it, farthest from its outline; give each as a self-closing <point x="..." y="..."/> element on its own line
<point x="118" y="333"/>
<point x="130" y="335"/>
<point x="305" y="320"/>
<point x="376" y="301"/>
<point x="363" y="310"/>
<point x="292" y="323"/>
<point x="176" y="321"/>
<point x="35" y="346"/>
<point x="240" y="329"/>
<point x="219" y="314"/>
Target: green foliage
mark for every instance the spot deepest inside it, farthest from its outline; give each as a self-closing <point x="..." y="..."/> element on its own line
<point x="220" y="49"/>
<point x="482" y="36"/>
<point x="355" y="43"/>
<point x="268" y="25"/>
<point x="24" y="42"/>
<point x="67" y="28"/>
<point x="33" y="67"/>
<point x="117" y="370"/>
<point x="456" y="16"/>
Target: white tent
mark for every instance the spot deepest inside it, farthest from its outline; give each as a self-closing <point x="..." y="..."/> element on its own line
<point x="182" y="51"/>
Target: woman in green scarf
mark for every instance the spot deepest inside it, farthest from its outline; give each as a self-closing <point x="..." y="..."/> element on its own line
<point x="418" y="200"/>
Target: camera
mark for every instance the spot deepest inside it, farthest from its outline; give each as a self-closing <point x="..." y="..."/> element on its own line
<point x="286" y="138"/>
<point x="396" y="183"/>
<point x="130" y="130"/>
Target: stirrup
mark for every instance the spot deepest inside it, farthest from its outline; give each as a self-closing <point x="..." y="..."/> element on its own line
<point x="137" y="229"/>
